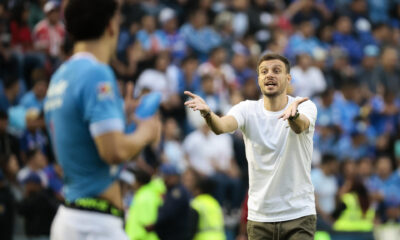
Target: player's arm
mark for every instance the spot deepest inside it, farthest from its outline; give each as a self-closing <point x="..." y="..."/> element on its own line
<point x="217" y="124"/>
<point x="116" y="147"/>
<point x="298" y="122"/>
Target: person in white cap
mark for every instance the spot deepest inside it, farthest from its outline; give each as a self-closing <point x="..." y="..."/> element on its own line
<point x="48" y="34"/>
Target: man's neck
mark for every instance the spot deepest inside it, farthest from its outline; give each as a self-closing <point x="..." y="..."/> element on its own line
<point x="95" y="47"/>
<point x="276" y="103"/>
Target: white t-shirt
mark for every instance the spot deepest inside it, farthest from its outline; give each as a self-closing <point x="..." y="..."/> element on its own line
<point x="326" y="188"/>
<point x="280" y="187"/>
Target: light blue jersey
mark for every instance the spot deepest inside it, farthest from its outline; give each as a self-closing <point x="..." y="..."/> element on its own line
<point x="83" y="102"/>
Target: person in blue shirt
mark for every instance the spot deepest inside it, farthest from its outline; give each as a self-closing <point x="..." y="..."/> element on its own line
<point x="84" y="114"/>
<point x="35" y="97"/>
<point x="9" y="95"/>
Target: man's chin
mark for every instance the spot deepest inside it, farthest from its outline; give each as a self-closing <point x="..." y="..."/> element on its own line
<point x="271" y="94"/>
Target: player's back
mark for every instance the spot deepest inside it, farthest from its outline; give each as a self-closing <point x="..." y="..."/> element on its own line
<point x="82" y="100"/>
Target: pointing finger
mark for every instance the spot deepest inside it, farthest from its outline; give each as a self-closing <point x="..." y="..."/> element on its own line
<point x="188" y="93"/>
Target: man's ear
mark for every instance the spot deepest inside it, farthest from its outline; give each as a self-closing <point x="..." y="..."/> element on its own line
<point x="289" y="78"/>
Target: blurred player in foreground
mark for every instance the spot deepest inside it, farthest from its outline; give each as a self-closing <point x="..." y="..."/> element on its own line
<point x="86" y="120"/>
<point x="278" y="134"/>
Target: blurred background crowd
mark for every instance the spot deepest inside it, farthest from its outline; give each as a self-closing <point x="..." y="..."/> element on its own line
<point x="344" y="56"/>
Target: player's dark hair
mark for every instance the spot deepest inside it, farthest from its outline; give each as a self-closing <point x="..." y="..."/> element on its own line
<point x="274" y="56"/>
<point x="88" y="19"/>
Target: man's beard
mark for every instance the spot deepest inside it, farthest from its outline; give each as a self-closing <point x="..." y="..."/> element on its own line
<point x="273" y="94"/>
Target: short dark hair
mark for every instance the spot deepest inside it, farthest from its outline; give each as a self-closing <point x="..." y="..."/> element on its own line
<point x="31" y="153"/>
<point x="10" y="80"/>
<point x="88" y="19"/>
<point x="328" y="158"/>
<point x="274" y="56"/>
<point x="205" y="185"/>
<point x="3" y="115"/>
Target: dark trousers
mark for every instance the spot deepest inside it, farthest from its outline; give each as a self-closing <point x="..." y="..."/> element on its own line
<point x="297" y="229"/>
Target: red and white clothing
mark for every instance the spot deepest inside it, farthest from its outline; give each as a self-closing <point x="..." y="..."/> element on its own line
<point x="49" y="37"/>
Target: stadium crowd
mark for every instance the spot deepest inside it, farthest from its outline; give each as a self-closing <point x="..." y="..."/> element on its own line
<point x="344" y="55"/>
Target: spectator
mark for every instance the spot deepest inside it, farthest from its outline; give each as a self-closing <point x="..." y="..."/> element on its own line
<point x="208" y="216"/>
<point x="341" y="72"/>
<point x="378" y="10"/>
<point x="152" y="40"/>
<point x="384" y="113"/>
<point x="354" y="146"/>
<point x="310" y="11"/>
<point x="328" y="109"/>
<point x="143" y="210"/>
<point x="35" y="163"/>
<point x="212" y="156"/>
<point x="343" y="38"/>
<point x="383" y="189"/>
<point x="303" y="41"/>
<point x="387" y="73"/>
<point x="173" y="150"/>
<point x="326" y="187"/>
<point x="187" y="73"/>
<point x="38" y="207"/>
<point x="208" y="93"/>
<point x="173" y="216"/>
<point x="49" y="33"/>
<point x="133" y="11"/>
<point x="364" y="73"/>
<point x="175" y="42"/>
<point x="307" y="80"/>
<point x="349" y="108"/>
<point x="355" y="212"/>
<point x="54" y="176"/>
<point x="33" y="137"/>
<point x="240" y="63"/>
<point x="201" y="38"/>
<point x="156" y="79"/>
<point x="241" y="19"/>
<point x="9" y="97"/>
<point x="21" y="39"/>
<point x="224" y="26"/>
<point x="34" y="98"/>
<point x="365" y="169"/>
<point x="382" y="35"/>
<point x="36" y="13"/>
<point x="7" y="203"/>
<point x="220" y="70"/>
<point x="9" y="144"/>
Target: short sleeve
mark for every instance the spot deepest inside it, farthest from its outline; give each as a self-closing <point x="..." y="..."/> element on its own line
<point x="239" y="113"/>
<point x="309" y="110"/>
<point x="102" y="103"/>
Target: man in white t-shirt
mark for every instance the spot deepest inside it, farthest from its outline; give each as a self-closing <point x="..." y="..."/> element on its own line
<point x="278" y="134"/>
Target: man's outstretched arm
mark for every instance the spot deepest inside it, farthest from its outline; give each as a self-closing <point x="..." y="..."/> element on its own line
<point x="217" y="124"/>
